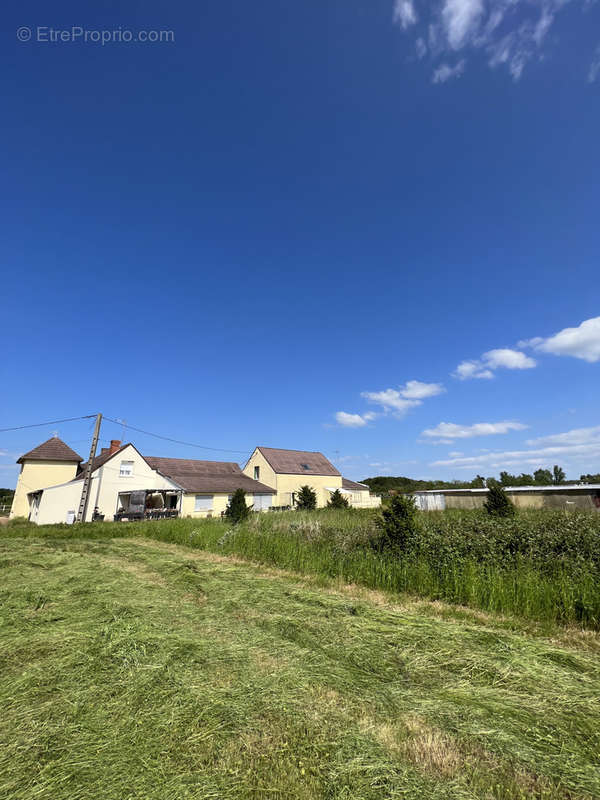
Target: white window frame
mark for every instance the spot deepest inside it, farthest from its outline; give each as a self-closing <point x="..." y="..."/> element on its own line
<point x="203" y="502"/>
<point x="123" y="471"/>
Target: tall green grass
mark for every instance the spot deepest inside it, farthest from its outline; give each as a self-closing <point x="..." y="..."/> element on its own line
<point x="541" y="565"/>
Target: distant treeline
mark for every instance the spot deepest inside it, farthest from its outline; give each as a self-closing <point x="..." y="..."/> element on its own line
<point x="387" y="484"/>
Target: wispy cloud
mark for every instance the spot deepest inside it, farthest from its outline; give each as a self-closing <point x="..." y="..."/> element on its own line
<point x="594" y="70"/>
<point x="391" y="401"/>
<point x="445" y="72"/>
<point x="447" y="432"/>
<point x="575" y="436"/>
<point x="501" y="358"/>
<point x="579" y="446"/>
<point x="400" y="400"/>
<point x="353" y="420"/>
<point x="580" y="342"/>
<point x="508" y="33"/>
<point x="404" y="13"/>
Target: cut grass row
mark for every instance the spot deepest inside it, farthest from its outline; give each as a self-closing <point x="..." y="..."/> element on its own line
<point x="132" y="669"/>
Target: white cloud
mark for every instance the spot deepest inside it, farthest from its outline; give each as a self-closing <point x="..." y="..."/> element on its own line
<point x="472" y="369"/>
<point x="400" y="400"/>
<point x="585" y="454"/>
<point x="575" y="436"/>
<point x="353" y="420"/>
<point x="404" y="13"/>
<point x="594" y="70"/>
<point x="508" y="33"/>
<point x="581" y="342"/>
<point x="509" y="359"/>
<point x="447" y="432"/>
<point x="484" y="367"/>
<point x="390" y="400"/>
<point x="461" y="19"/>
<point x="417" y="390"/>
<point x="445" y="72"/>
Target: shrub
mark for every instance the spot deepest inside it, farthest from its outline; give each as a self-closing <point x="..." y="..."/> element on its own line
<point x="337" y="500"/>
<point x="397" y="526"/>
<point x="307" y="499"/>
<point x="237" y="510"/>
<point x="498" y="503"/>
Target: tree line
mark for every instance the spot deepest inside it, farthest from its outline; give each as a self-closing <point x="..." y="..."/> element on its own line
<point x="387" y="484"/>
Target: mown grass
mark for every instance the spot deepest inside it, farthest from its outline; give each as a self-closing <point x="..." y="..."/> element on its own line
<point x="137" y="669"/>
<point x="538" y="565"/>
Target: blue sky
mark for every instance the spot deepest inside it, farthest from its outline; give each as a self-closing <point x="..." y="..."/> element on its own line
<point x="292" y="223"/>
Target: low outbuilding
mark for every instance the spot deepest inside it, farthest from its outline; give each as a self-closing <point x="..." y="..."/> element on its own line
<point x="580" y="496"/>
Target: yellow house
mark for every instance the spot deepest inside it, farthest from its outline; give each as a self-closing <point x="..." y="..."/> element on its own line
<point x="51" y="463"/>
<point x="208" y="485"/>
<point x="127" y="485"/>
<point x="288" y="470"/>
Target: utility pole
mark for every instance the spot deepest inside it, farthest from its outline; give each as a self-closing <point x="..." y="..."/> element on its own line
<point x="87" y="478"/>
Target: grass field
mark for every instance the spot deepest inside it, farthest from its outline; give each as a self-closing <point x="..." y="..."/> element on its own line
<point x="138" y="669"/>
<point x="538" y="565"/>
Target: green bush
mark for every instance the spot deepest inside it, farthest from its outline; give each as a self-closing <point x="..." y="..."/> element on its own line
<point x="397" y="526"/>
<point x="337" y="500"/>
<point x="237" y="510"/>
<point x="306" y="499"/>
<point x="498" y="503"/>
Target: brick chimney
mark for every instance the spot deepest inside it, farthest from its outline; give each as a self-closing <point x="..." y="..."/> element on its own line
<point x="114" y="445"/>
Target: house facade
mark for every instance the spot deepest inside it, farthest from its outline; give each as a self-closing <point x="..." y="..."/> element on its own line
<point x="286" y="471"/>
<point x="117" y="472"/>
<point x="51" y="463"/>
<point x="207" y="486"/>
<point x="128" y="485"/>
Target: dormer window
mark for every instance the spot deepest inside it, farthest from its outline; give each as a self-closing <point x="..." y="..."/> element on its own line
<point x="305" y="466"/>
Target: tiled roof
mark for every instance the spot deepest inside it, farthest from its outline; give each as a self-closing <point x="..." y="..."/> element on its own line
<point x="52" y="450"/>
<point x="298" y="462"/>
<point x="358" y="487"/>
<point x="207" y="476"/>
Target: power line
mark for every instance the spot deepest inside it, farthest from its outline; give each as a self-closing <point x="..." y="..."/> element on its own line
<point x="41" y="424"/>
<point x="176" y="441"/>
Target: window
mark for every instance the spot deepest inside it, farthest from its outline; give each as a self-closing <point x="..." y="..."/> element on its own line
<point x="262" y="501"/>
<point x="256" y="473"/>
<point x="204" y="502"/>
<point x="126" y="469"/>
<point x="305" y="466"/>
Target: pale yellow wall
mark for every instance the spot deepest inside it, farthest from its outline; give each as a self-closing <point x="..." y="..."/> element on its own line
<point x="37" y="475"/>
<point x="220" y="501"/>
<point x="363" y="499"/>
<point x="56" y="502"/>
<point x="286" y="484"/>
<point x="267" y="474"/>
